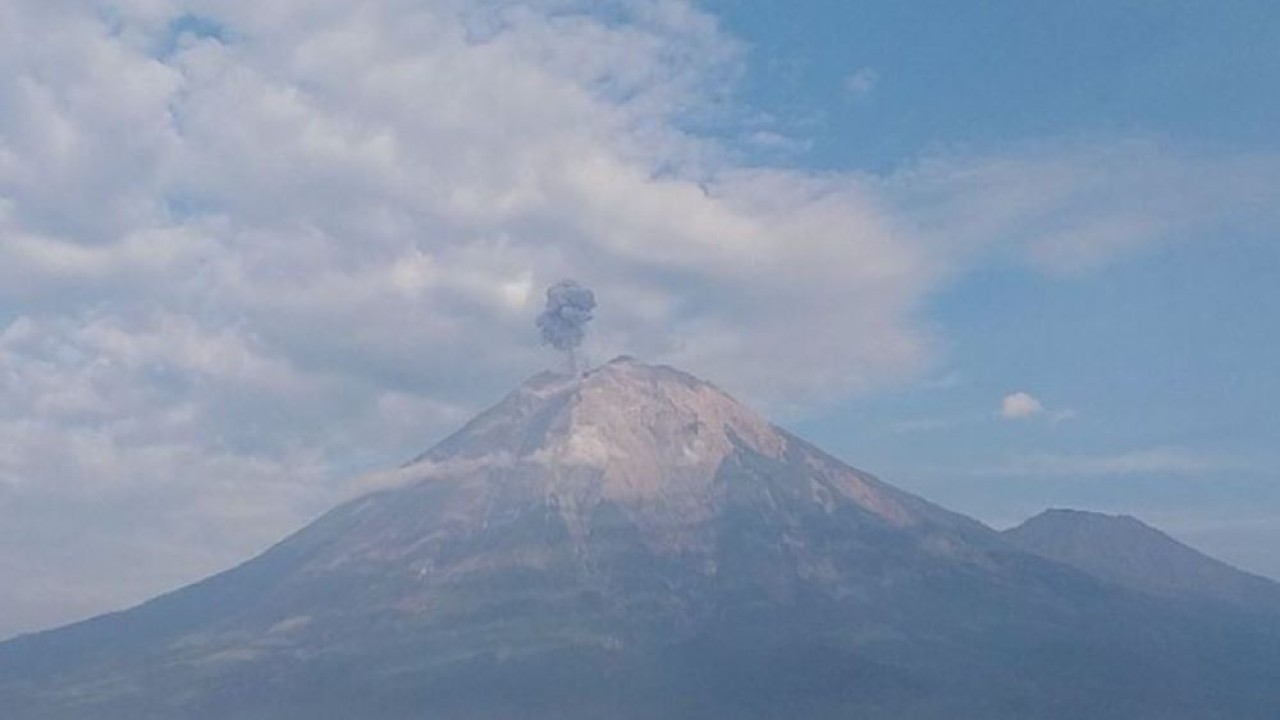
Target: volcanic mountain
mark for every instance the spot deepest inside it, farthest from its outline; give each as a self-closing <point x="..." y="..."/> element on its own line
<point x="634" y="543"/>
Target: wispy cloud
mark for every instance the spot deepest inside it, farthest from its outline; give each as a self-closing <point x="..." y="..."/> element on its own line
<point x="1066" y="209"/>
<point x="861" y="83"/>
<point x="1154" y="461"/>
<point x="923" y="425"/>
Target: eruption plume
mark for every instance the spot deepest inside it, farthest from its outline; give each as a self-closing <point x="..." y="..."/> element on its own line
<point x="563" y="323"/>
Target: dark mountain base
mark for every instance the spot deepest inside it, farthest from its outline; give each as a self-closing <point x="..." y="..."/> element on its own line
<point x="968" y="656"/>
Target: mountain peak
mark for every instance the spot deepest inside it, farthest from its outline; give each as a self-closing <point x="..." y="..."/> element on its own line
<point x="1078" y="521"/>
<point x="626" y="409"/>
<point x="634" y="422"/>
<point x="647" y="441"/>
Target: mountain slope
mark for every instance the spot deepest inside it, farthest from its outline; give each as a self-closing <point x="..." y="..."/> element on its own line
<point x="635" y="543"/>
<point x="1125" y="551"/>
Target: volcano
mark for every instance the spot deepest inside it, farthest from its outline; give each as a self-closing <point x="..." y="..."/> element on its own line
<point x="635" y="543"/>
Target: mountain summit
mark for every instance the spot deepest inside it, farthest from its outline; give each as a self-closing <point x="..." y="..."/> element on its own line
<point x="647" y="441"/>
<point x="635" y="543"/>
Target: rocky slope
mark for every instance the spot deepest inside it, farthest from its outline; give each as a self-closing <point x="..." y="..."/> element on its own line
<point x="634" y="543"/>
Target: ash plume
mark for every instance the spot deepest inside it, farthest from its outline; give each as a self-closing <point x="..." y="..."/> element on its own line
<point x="563" y="323"/>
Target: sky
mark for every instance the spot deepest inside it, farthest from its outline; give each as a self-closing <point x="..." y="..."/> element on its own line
<point x="1009" y="255"/>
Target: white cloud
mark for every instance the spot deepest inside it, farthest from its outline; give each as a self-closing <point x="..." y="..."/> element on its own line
<point x="1023" y="406"/>
<point x="1066" y="209"/>
<point x="1020" y="406"/>
<point x="235" y="271"/>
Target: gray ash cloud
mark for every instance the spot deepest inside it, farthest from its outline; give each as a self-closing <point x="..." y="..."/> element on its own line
<point x="563" y="323"/>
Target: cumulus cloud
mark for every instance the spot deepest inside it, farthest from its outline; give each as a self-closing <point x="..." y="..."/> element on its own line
<point x="1020" y="406"/>
<point x="1024" y="406"/>
<point x="248" y="250"/>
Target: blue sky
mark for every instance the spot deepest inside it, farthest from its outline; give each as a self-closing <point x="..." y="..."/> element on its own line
<point x="1168" y="354"/>
<point x="997" y="73"/>
<point x="1009" y="255"/>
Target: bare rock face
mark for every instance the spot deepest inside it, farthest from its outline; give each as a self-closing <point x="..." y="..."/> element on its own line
<point x="646" y="441"/>
<point x="634" y="543"/>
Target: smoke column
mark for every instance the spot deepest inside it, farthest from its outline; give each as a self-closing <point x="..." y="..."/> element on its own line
<point x="563" y="323"/>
